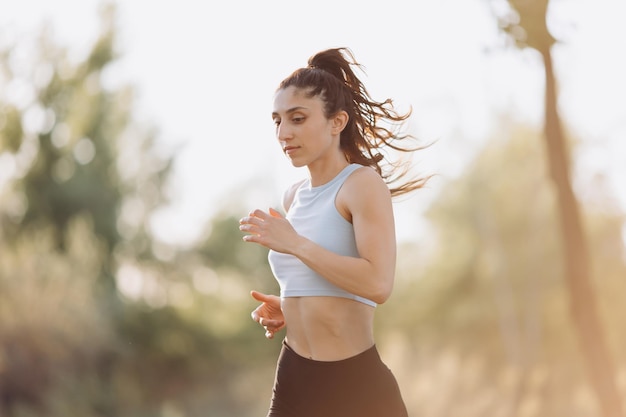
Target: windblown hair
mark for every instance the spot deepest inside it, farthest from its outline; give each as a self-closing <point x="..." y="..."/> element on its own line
<point x="329" y="75"/>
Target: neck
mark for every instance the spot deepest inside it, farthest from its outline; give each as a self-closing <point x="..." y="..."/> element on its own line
<point x="321" y="172"/>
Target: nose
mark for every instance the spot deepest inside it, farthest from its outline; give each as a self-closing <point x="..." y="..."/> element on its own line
<point x="283" y="132"/>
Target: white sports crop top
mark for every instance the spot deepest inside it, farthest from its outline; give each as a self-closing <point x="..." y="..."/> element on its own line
<point x="313" y="214"/>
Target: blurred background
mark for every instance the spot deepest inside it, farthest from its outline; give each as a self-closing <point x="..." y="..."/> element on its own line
<point x="134" y="135"/>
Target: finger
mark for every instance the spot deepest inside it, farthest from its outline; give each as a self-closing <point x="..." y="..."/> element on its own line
<point x="249" y="228"/>
<point x="259" y="214"/>
<point x="251" y="238"/>
<point x="275" y="213"/>
<point x="250" y="220"/>
<point x="271" y="324"/>
<point x="259" y="296"/>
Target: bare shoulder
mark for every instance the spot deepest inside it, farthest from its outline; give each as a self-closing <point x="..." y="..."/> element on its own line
<point x="363" y="191"/>
<point x="365" y="179"/>
<point x="290" y="193"/>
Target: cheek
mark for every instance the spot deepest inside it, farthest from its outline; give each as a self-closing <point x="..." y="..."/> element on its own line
<point x="323" y="129"/>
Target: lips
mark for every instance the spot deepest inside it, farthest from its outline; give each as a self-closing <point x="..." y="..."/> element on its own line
<point x="290" y="149"/>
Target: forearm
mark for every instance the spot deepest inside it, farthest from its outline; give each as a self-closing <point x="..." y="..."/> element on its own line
<point x="356" y="275"/>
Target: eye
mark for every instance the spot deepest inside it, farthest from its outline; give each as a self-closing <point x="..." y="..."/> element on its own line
<point x="276" y="122"/>
<point x="298" y="119"/>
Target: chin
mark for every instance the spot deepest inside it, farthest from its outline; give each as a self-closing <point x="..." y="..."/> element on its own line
<point x="298" y="164"/>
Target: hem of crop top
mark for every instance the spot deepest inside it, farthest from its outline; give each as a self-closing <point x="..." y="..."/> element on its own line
<point x="317" y="293"/>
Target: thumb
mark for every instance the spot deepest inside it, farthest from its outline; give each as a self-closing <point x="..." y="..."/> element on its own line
<point x="259" y="296"/>
<point x="275" y="213"/>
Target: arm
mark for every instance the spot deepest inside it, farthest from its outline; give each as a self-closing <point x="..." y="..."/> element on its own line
<point x="371" y="274"/>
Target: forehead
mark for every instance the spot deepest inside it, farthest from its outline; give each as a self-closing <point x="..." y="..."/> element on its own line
<point x="287" y="99"/>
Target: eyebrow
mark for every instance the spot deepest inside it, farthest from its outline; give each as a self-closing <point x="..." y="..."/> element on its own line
<point x="291" y="110"/>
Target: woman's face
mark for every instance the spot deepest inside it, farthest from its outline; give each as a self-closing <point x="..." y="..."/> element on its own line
<point x="302" y="129"/>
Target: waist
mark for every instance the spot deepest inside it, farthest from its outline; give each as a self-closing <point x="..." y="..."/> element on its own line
<point x="328" y="328"/>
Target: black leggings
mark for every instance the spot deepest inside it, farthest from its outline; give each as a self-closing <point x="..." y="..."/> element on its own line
<point x="360" y="386"/>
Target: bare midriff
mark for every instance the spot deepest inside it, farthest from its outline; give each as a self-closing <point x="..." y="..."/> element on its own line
<point x="328" y="328"/>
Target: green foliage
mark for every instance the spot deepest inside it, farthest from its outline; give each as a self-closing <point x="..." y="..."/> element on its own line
<point x="225" y="249"/>
<point x="76" y="128"/>
<point x="98" y="318"/>
<point x="10" y="128"/>
<point x="484" y="297"/>
<point x="50" y="325"/>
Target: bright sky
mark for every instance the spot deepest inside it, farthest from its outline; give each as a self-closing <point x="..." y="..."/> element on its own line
<point x="206" y="72"/>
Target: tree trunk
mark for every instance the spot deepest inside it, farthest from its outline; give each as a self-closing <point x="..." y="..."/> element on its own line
<point x="584" y="311"/>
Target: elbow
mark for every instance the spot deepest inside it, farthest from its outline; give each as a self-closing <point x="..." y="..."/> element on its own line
<point x="383" y="291"/>
<point x="381" y="298"/>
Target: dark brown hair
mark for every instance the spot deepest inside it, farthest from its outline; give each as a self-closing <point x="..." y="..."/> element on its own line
<point x="329" y="75"/>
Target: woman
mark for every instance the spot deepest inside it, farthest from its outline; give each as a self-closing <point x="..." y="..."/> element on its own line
<point x="334" y="252"/>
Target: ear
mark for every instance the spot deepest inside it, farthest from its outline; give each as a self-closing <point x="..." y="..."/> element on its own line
<point x="340" y="120"/>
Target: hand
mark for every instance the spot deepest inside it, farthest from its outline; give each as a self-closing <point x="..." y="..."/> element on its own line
<point x="269" y="229"/>
<point x="269" y="314"/>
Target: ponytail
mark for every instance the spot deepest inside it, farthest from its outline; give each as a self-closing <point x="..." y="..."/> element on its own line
<point x="329" y="75"/>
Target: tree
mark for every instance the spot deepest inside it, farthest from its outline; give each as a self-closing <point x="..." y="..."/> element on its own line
<point x="82" y="180"/>
<point x="76" y="148"/>
<point x="96" y="316"/>
<point x="479" y="310"/>
<point x="527" y="26"/>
